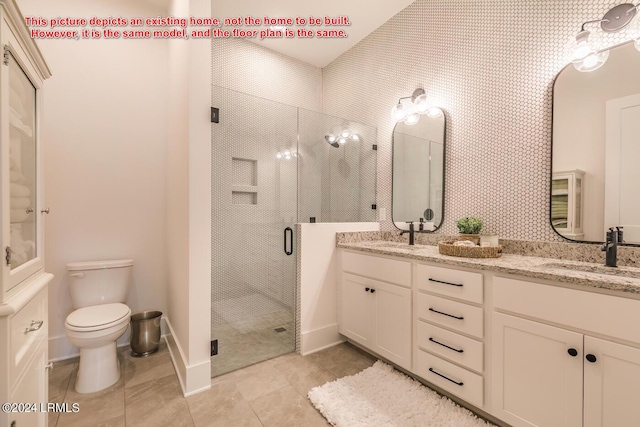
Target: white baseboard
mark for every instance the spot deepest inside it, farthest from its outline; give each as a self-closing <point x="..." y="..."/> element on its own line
<point x="319" y="339"/>
<point x="193" y="379"/>
<point x="61" y="349"/>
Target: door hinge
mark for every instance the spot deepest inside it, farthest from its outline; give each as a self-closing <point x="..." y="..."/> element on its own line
<point x="8" y="256"/>
<point x="5" y="55"/>
<point x="374" y="147"/>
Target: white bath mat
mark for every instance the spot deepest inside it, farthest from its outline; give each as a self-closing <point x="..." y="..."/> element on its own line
<point x="380" y="396"/>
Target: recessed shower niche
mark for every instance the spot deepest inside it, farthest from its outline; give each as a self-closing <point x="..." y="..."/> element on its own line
<point x="244" y="181"/>
<point x="272" y="168"/>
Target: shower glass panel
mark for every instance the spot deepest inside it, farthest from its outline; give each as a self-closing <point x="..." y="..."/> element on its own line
<point x="336" y="180"/>
<point x="254" y="193"/>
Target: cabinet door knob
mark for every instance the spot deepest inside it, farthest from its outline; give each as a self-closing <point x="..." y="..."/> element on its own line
<point x="591" y="358"/>
<point x="373" y="291"/>
<point x="49" y="366"/>
<point x="45" y="211"/>
<point x="572" y="352"/>
<point x="366" y="289"/>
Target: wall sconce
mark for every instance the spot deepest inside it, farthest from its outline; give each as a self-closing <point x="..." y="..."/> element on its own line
<point x="585" y="50"/>
<point x="409" y="108"/>
<point x="341" y="138"/>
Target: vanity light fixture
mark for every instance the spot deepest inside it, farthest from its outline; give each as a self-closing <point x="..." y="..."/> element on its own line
<point x="335" y="140"/>
<point x="409" y="109"/>
<point x="286" y="154"/>
<point x="585" y="50"/>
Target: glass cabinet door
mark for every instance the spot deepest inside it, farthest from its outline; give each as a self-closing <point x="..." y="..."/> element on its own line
<point x="22" y="167"/>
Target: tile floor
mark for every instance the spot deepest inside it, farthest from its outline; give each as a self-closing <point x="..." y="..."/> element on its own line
<point x="271" y="393"/>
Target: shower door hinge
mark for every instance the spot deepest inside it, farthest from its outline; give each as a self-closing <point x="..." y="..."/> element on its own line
<point x="374" y="206"/>
<point x="214" y="347"/>
<point x="5" y="55"/>
<point x="8" y="255"/>
<point x="374" y="147"/>
<point x="215" y="115"/>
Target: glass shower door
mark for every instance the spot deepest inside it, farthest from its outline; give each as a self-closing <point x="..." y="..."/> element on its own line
<point x="254" y="193"/>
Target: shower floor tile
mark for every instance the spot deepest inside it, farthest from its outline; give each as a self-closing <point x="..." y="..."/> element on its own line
<point x="245" y="339"/>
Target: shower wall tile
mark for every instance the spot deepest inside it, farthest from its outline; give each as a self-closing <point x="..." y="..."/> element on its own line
<point x="490" y="66"/>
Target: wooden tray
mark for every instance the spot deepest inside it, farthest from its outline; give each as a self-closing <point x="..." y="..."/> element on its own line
<point x="447" y="248"/>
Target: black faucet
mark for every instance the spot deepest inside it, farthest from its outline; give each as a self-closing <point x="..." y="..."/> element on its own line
<point x="412" y="233"/>
<point x="620" y="235"/>
<point x="611" y="247"/>
<point x="421" y="224"/>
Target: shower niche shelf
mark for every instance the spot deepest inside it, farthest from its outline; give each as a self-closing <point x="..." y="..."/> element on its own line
<point x="244" y="174"/>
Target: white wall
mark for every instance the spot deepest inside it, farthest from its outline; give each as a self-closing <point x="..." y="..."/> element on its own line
<point x="104" y="136"/>
<point x="319" y="282"/>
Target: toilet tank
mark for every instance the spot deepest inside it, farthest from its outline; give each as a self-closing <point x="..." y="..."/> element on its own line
<point x="99" y="282"/>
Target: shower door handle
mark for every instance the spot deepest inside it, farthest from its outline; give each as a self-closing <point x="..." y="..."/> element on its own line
<point x="290" y="246"/>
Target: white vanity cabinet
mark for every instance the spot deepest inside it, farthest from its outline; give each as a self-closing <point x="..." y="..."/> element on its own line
<point x="449" y="323"/>
<point x="375" y="313"/>
<point x="550" y="369"/>
<point x="23" y="282"/>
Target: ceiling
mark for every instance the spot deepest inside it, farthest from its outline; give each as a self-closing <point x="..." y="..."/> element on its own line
<point x="365" y="16"/>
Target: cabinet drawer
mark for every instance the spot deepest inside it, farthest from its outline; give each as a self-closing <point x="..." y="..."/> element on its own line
<point x="389" y="270"/>
<point x="451" y="314"/>
<point x="603" y="314"/>
<point x="23" y="344"/>
<point x="449" y="345"/>
<point x="454" y="379"/>
<point x="464" y="285"/>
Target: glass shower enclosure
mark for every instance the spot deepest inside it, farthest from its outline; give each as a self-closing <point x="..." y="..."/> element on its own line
<point x="271" y="168"/>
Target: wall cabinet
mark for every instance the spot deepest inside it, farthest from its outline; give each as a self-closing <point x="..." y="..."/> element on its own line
<point x="377" y="315"/>
<point x="23" y="282"/>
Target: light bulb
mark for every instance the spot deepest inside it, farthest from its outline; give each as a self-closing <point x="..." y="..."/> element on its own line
<point x="592" y="62"/>
<point x="344" y="134"/>
<point x="422" y="103"/>
<point x="330" y="138"/>
<point x="434" y="112"/>
<point x="342" y="140"/>
<point x="278" y="156"/>
<point x="355" y="137"/>
<point x="399" y="112"/>
<point x="287" y="157"/>
<point x="412" y="119"/>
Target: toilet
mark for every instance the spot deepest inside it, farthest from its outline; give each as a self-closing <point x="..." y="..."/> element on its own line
<point x="99" y="290"/>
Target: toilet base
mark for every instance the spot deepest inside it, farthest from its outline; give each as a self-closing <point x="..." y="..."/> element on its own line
<point x="99" y="368"/>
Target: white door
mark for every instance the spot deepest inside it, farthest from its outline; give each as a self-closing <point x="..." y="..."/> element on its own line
<point x="536" y="380"/>
<point x="392" y="314"/>
<point x="356" y="321"/>
<point x="622" y="174"/>
<point x="611" y="384"/>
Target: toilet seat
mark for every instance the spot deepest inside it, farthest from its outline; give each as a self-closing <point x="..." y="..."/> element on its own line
<point x="97" y="317"/>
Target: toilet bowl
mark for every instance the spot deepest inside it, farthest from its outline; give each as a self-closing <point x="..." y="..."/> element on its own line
<point x="98" y="291"/>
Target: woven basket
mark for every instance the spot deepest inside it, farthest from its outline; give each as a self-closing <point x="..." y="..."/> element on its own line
<point x="447" y="248"/>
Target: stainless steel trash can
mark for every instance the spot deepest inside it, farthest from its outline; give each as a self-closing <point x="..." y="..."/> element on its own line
<point x="145" y="333"/>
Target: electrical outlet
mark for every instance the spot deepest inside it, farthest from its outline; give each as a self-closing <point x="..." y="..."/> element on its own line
<point x="214" y="347"/>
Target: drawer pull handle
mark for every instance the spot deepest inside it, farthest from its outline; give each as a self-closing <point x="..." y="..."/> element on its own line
<point x="445" y="377"/>
<point x="446" y="314"/>
<point x="446" y="283"/>
<point x="367" y="289"/>
<point x="444" y="345"/>
<point x="34" y="326"/>
<point x="591" y="358"/>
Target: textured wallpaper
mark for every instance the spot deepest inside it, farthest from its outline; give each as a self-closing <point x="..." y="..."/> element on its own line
<point x="490" y="65"/>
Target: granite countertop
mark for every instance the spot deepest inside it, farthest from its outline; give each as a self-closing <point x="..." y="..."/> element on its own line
<point x="625" y="280"/>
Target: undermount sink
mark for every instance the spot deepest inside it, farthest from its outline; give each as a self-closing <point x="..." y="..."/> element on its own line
<point x="600" y="270"/>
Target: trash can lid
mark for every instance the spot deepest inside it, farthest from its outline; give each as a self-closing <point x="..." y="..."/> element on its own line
<point x="97" y="317"/>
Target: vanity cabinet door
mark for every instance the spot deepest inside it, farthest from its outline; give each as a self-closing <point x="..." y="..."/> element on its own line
<point x="536" y="379"/>
<point x="33" y="388"/>
<point x="356" y="321"/>
<point x="392" y="314"/>
<point x="611" y="384"/>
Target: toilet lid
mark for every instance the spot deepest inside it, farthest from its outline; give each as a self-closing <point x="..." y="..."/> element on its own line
<point x="97" y="316"/>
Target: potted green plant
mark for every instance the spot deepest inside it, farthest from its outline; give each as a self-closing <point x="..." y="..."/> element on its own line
<point x="469" y="228"/>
